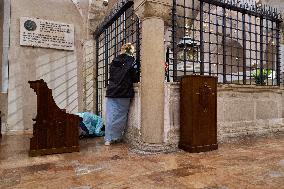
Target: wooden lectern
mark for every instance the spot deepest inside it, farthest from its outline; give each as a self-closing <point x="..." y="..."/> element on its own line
<point x="0" y="125"/>
<point x="54" y="130"/>
<point x="198" y="113"/>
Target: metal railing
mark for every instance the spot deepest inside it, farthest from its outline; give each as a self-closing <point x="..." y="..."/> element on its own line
<point x="237" y="41"/>
<point x="120" y="27"/>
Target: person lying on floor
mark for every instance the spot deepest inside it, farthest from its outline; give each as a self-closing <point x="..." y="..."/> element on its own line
<point x="123" y="73"/>
<point x="91" y="125"/>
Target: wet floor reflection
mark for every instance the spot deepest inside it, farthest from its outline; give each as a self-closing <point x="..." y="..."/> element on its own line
<point x="254" y="163"/>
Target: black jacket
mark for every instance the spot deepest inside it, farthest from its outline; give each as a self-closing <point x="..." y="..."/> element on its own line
<point x="123" y="73"/>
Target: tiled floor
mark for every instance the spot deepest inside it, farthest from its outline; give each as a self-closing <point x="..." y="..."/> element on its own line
<point x="255" y="163"/>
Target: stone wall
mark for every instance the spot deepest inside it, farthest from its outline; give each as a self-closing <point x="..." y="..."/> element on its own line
<point x="1" y="38"/>
<point x="70" y="74"/>
<point x="242" y="111"/>
<point x="62" y="70"/>
<point x="89" y="77"/>
<point x="2" y="105"/>
<point x="249" y="110"/>
<point x="5" y="17"/>
<point x="96" y="14"/>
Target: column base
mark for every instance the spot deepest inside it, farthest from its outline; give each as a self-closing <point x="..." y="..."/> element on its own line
<point x="134" y="140"/>
<point x="145" y="148"/>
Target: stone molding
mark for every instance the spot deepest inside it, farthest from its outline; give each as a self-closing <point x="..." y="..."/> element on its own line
<point x="242" y="88"/>
<point x="249" y="88"/>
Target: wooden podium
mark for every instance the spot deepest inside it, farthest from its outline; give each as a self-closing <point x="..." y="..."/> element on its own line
<point x="0" y="125"/>
<point x="54" y="130"/>
<point x="198" y="113"/>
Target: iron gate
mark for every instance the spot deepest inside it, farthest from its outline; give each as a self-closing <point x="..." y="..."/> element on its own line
<point x="236" y="40"/>
<point x="120" y="27"/>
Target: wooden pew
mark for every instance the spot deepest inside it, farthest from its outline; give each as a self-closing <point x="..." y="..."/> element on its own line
<point x="54" y="130"/>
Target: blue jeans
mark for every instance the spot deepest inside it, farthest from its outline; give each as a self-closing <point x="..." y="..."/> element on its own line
<point x="116" y="118"/>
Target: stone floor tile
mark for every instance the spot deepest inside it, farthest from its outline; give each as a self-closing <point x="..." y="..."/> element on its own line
<point x="252" y="163"/>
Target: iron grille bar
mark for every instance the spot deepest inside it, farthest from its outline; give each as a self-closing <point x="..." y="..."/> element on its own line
<point x="261" y="51"/>
<point x="97" y="73"/>
<point x="115" y="38"/>
<point x="106" y="56"/>
<point x="224" y="29"/>
<point x="267" y="50"/>
<point x="244" y="49"/>
<point x="138" y="34"/>
<point x="125" y="5"/>
<point x="210" y="63"/>
<point x="236" y="41"/>
<point x="120" y="27"/>
<point x="250" y="52"/>
<point x="167" y="64"/>
<point x="184" y="33"/>
<point x="174" y="41"/>
<point x="201" y="39"/>
<point x="278" y="52"/>
<point x="254" y="10"/>
<point x="193" y="32"/>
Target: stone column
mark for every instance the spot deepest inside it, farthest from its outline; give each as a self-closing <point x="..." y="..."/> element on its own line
<point x="152" y="80"/>
<point x="152" y="15"/>
<point x="6" y="33"/>
<point x="5" y="43"/>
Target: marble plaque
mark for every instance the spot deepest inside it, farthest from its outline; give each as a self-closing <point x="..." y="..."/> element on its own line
<point x="47" y="34"/>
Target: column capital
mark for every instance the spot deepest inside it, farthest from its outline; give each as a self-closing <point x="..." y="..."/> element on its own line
<point x="153" y="8"/>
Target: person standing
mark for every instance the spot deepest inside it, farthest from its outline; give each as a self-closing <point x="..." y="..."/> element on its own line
<point x="123" y="73"/>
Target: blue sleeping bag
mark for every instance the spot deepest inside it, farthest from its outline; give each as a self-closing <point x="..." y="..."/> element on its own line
<point x="91" y="125"/>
